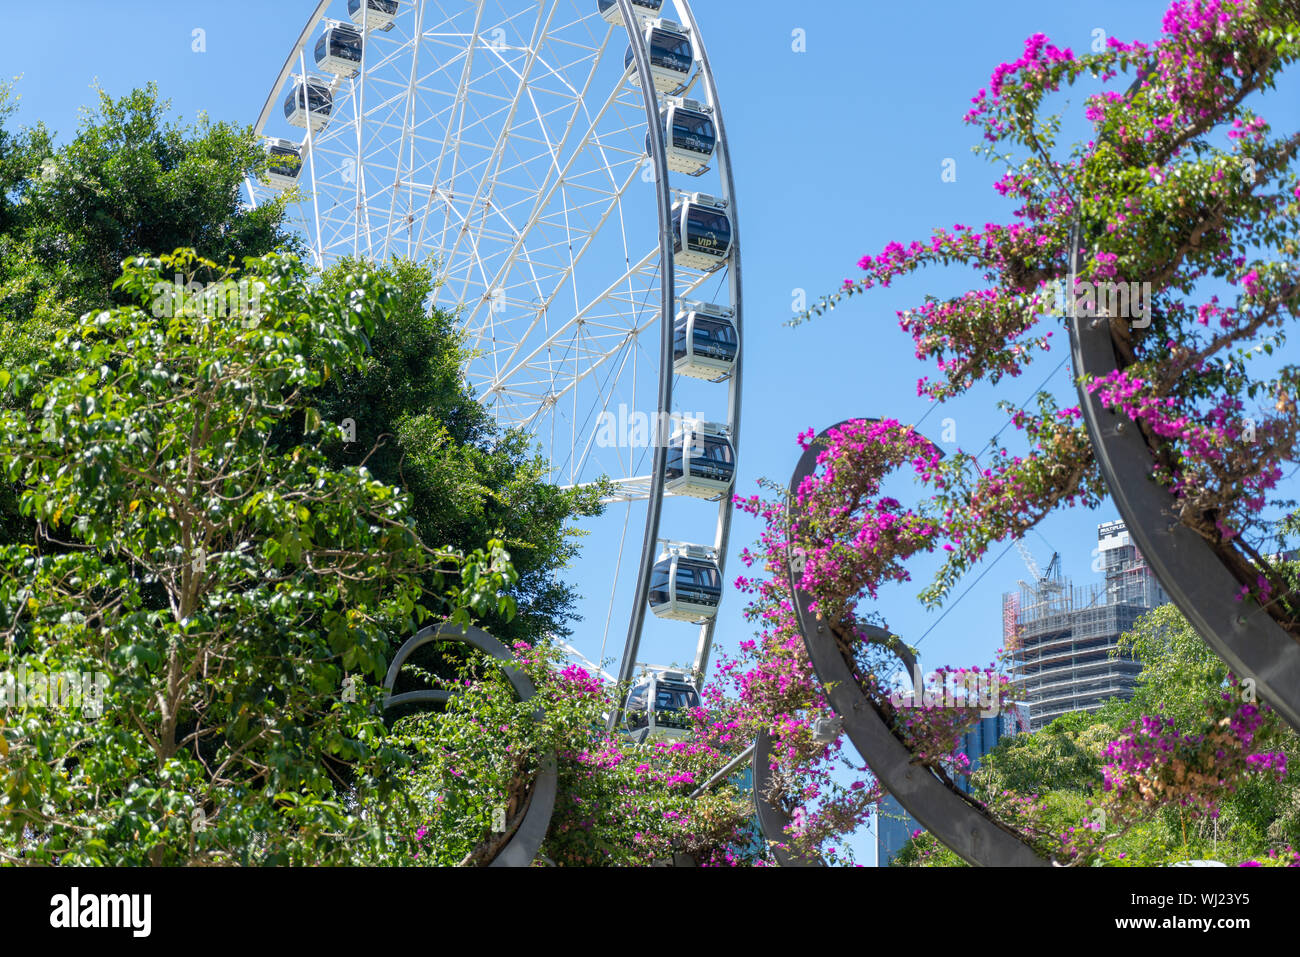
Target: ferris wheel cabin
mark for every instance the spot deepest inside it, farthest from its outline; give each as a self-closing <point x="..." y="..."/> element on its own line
<point x="701" y="461"/>
<point x="701" y="232"/>
<point x="659" y="705"/>
<point x="686" y="584"/>
<point x="285" y="164"/>
<point x="644" y="10"/>
<point x="705" y="342"/>
<point x="672" y="57"/>
<point x="338" y="50"/>
<point x="310" y="97"/>
<point x="374" y="14"/>
<point x="690" y="137"/>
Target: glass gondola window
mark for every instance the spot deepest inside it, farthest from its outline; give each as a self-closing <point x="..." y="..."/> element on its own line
<point x="711" y="457"/>
<point x="707" y="230"/>
<point x="283" y="161"/>
<point x="672" y="698"/>
<point x="313" y="96"/>
<point x="659" y="583"/>
<point x="385" y="8"/>
<point x="705" y="344"/>
<point x="673" y="704"/>
<point x="716" y="459"/>
<point x="698" y="582"/>
<point x="685" y="588"/>
<point x="679" y="337"/>
<point x="668" y="51"/>
<point x="609" y="8"/>
<point x="672" y="51"/>
<point x="675" y="466"/>
<point x="317" y="96"/>
<point x="715" y="339"/>
<point x="341" y="43"/>
<point x="286" y="165"/>
<point x="636" y="707"/>
<point x="373" y="14"/>
<point x="693" y="131"/>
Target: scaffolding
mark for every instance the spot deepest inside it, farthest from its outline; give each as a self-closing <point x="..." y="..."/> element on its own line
<point x="1064" y="635"/>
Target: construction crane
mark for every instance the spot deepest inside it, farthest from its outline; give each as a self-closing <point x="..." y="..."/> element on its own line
<point x="1045" y="583"/>
<point x="1046" y="586"/>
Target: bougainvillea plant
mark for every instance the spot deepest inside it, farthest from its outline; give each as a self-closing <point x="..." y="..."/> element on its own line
<point x="1188" y="203"/>
<point x="1185" y="188"/>
<point x="618" y="803"/>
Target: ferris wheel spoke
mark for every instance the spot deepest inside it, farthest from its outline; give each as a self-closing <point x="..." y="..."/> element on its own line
<point x="561" y="272"/>
<point x="406" y="143"/>
<point x="458" y="105"/>
<point x="543" y="18"/>
<point x="645" y="268"/>
<point x="534" y="194"/>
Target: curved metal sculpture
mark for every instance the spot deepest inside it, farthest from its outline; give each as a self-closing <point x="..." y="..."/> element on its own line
<point x="1243" y="634"/>
<point x="530" y="831"/>
<point x="772" y="820"/>
<point x="948" y="814"/>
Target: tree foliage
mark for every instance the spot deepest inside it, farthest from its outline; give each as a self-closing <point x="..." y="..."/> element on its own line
<point x="419" y="427"/>
<point x="224" y="587"/>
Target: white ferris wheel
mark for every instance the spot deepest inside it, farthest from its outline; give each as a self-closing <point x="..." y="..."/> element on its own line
<point x="563" y="165"/>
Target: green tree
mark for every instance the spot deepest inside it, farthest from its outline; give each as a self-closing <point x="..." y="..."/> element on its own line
<point x="617" y="804"/>
<point x="418" y="426"/>
<point x="1065" y="755"/>
<point x="1059" y="770"/>
<point x="130" y="182"/>
<point x="225" y="587"/>
<point x="1178" y="669"/>
<point x="1178" y="673"/>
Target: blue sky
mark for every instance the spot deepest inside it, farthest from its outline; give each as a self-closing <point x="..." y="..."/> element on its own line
<point x="838" y="151"/>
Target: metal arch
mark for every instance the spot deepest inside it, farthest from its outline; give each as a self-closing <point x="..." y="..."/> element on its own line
<point x="1242" y="633"/>
<point x="734" y="280"/>
<point x="947" y="813"/>
<point x="668" y="306"/>
<point x="772" y="821"/>
<point x="522" y="848"/>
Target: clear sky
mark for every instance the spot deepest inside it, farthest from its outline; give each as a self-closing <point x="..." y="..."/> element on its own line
<point x="838" y="150"/>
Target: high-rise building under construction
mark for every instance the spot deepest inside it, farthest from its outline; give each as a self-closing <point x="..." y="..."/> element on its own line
<point x="1060" y="637"/>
